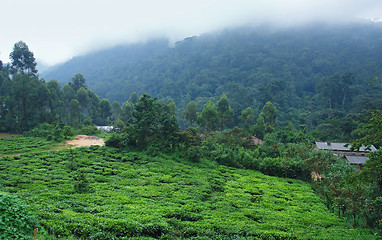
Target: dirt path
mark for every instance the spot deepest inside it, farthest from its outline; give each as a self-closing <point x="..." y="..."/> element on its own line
<point x="86" y="141"/>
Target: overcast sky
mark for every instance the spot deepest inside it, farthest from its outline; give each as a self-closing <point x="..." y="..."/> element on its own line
<point x="56" y="30"/>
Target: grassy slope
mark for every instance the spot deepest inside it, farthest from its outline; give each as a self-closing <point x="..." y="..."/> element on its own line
<point x="16" y="145"/>
<point x="135" y="195"/>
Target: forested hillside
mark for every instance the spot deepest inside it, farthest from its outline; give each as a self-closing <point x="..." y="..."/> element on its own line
<point x="249" y="99"/>
<point x="310" y="74"/>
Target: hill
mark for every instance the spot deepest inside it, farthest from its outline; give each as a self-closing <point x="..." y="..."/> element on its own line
<point x="254" y="63"/>
<point x="102" y="193"/>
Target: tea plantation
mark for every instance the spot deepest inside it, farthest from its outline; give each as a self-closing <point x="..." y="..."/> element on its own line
<point x="22" y="145"/>
<point x="103" y="193"/>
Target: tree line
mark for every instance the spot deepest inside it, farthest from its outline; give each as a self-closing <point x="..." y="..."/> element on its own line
<point x="322" y="77"/>
<point x="212" y="131"/>
<point x="27" y="100"/>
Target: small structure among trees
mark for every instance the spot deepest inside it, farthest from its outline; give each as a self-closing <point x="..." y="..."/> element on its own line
<point x="357" y="158"/>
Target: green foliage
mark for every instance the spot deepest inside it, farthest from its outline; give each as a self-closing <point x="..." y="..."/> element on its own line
<point x="153" y="124"/>
<point x="23" y="144"/>
<point x="75" y="112"/>
<point x="225" y="112"/>
<point x="89" y="130"/>
<point x="127" y="111"/>
<point x="81" y="184"/>
<point x="119" y="140"/>
<point x="51" y="132"/>
<point x="27" y="101"/>
<point x="372" y="132"/>
<point x="136" y="196"/>
<point x="78" y="82"/>
<point x="209" y="116"/>
<point x="191" y="112"/>
<point x="269" y="114"/>
<point x="247" y="118"/>
<point x="171" y="107"/>
<point x="16" y="220"/>
<point x="23" y="60"/>
<point x="116" y="110"/>
<point x="133" y="98"/>
<point x="105" y="110"/>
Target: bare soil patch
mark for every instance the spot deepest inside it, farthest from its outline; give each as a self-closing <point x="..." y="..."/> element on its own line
<point x="86" y="141"/>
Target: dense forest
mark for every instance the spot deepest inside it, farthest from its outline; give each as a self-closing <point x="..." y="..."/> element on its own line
<point x="315" y="76"/>
<point x="185" y="117"/>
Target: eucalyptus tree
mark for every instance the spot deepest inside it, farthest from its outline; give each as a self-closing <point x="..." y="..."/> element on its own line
<point x="127" y="111"/>
<point x="247" y="118"/>
<point x="191" y="112"/>
<point x="225" y="112"/>
<point x="133" y="98"/>
<point x="78" y="81"/>
<point x="22" y="60"/>
<point x="116" y="111"/>
<point x="105" y="110"/>
<point x="171" y="106"/>
<point x="209" y="116"/>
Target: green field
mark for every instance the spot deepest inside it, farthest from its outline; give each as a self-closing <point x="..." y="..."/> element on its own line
<point x="14" y="145"/>
<point x="100" y="193"/>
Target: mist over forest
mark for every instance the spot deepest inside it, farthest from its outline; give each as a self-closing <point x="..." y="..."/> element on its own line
<point x="216" y="136"/>
<point x="294" y="68"/>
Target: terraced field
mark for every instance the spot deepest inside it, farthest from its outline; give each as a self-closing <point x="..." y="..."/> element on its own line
<point x="102" y="193"/>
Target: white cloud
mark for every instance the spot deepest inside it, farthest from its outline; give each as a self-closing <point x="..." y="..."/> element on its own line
<point x="56" y="30"/>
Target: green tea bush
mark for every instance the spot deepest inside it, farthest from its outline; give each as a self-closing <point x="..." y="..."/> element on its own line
<point x="16" y="221"/>
<point x="23" y="145"/>
<point x="137" y="196"/>
<point x="81" y="183"/>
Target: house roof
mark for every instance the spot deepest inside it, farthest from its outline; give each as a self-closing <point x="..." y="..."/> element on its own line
<point x="357" y="159"/>
<point x="341" y="147"/>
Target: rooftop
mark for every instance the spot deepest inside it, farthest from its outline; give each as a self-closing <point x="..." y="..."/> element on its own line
<point x="341" y="147"/>
<point x="358" y="160"/>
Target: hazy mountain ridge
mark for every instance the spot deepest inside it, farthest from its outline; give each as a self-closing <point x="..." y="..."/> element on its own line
<point x="203" y="66"/>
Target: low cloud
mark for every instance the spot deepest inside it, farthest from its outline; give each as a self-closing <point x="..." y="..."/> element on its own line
<point x="58" y="30"/>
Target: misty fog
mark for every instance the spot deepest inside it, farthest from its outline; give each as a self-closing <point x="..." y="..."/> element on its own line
<point x="58" y="30"/>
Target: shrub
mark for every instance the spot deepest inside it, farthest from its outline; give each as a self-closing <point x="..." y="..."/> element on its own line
<point x="48" y="131"/>
<point x="81" y="184"/>
<point x="89" y="130"/>
<point x="16" y="222"/>
<point x="118" y="140"/>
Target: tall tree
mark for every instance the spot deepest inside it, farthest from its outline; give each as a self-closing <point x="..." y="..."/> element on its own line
<point x="266" y="122"/>
<point x="75" y="111"/>
<point x="105" y="110"/>
<point x="153" y="124"/>
<point x="133" y="98"/>
<point x="171" y="107"/>
<point x="247" y="118"/>
<point x="127" y="111"/>
<point x="209" y="116"/>
<point x="83" y="98"/>
<point x="269" y="113"/>
<point x="225" y="112"/>
<point x="78" y="81"/>
<point x="191" y="112"/>
<point x="93" y="105"/>
<point x="22" y="59"/>
<point x="145" y="116"/>
<point x="116" y="110"/>
<point x="23" y="93"/>
<point x="345" y="82"/>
